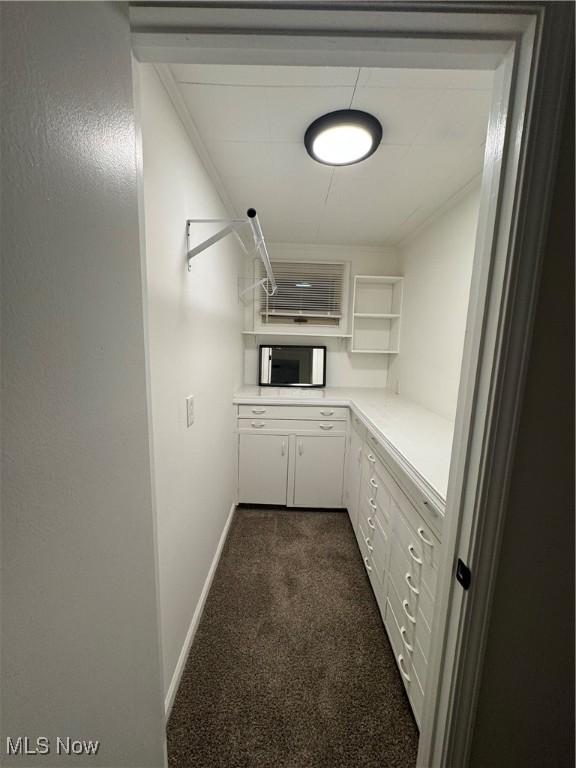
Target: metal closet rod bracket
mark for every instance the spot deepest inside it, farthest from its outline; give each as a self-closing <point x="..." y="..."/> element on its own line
<point x="234" y="225"/>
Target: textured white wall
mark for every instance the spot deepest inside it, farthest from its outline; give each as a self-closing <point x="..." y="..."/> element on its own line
<point x="437" y="266"/>
<point x="195" y="323"/>
<point x="343" y="368"/>
<point x="80" y="645"/>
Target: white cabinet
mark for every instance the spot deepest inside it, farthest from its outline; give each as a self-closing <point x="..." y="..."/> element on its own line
<point x="318" y="470"/>
<point x="286" y="455"/>
<point x="263" y="468"/>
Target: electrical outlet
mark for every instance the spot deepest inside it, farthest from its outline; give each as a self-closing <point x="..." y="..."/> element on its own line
<point x="190" y="411"/>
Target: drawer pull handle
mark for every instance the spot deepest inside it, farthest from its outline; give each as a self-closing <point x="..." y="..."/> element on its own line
<point x="401" y="663"/>
<point x="407" y="612"/>
<point x="258" y="424"/>
<point x="370" y="547"/>
<point x="258" y="410"/>
<point x="300" y="448"/>
<point x="371" y="458"/>
<point x="424" y="538"/>
<point x="327" y="413"/>
<point x="368" y="567"/>
<point x="283" y="447"/>
<point x="413" y="554"/>
<point x="326" y="426"/>
<point x="373" y="483"/>
<point x="372" y="504"/>
<point x="408" y="580"/>
<point x="404" y="633"/>
<point x="371" y="523"/>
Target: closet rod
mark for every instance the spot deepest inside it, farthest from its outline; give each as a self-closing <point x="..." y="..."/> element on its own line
<point x="233" y="225"/>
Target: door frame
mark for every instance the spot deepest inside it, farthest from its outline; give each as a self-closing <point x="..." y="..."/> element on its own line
<point x="527" y="46"/>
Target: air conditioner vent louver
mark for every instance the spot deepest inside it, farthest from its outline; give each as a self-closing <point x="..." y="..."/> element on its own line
<point x="310" y="291"/>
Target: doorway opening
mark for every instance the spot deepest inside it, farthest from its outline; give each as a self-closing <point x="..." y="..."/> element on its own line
<point x="431" y="211"/>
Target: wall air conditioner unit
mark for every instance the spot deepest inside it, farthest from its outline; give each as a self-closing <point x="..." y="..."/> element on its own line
<point x="311" y="296"/>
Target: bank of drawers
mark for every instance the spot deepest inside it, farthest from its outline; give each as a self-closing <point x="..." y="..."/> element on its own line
<point x="413" y="573"/>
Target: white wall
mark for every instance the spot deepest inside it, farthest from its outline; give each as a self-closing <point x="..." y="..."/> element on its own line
<point x="80" y="645"/>
<point x="437" y="266"/>
<point x="195" y="323"/>
<point x="343" y="369"/>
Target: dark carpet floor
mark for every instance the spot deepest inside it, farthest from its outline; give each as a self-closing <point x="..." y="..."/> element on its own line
<point x="291" y="666"/>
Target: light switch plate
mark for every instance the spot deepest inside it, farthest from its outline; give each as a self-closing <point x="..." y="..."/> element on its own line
<point x="190" y="411"/>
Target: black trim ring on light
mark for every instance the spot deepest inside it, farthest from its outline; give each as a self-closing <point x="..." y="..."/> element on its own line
<point x="354" y="117"/>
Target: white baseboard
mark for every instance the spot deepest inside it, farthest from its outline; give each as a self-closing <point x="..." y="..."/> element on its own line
<point x="175" y="682"/>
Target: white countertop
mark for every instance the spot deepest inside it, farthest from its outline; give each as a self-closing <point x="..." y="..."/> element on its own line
<point x="413" y="434"/>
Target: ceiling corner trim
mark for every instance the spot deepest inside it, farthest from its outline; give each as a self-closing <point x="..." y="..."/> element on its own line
<point x="452" y="201"/>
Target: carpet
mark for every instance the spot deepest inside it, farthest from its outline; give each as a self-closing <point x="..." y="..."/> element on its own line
<point x="291" y="666"/>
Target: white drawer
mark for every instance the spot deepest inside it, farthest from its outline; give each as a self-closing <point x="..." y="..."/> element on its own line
<point x="399" y="567"/>
<point x="363" y="541"/>
<point x="257" y="424"/>
<point x="320" y="412"/>
<point x="379" y="545"/>
<point x="425" y="506"/>
<point x="377" y="486"/>
<point x="407" y="604"/>
<point x="374" y="452"/>
<point x="406" y="611"/>
<point x="421" y="547"/>
<point x="372" y="509"/>
<point x="401" y="654"/>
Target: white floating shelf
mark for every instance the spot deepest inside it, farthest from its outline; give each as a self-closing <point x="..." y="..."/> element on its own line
<point x="376" y="315"/>
<point x="375" y="351"/>
<point x="296" y="333"/>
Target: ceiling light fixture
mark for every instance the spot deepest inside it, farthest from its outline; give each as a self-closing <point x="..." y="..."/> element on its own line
<point x="343" y="137"/>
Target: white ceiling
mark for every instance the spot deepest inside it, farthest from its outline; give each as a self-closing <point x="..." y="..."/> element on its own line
<point x="252" y="121"/>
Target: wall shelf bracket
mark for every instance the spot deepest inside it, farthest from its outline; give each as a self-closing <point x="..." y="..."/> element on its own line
<point x="235" y="226"/>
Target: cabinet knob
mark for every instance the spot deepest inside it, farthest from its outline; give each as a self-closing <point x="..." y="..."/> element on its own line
<point x="401" y="663"/>
<point x="404" y="633"/>
<point x="413" y="554"/>
<point x="411" y="587"/>
<point x="424" y="538"/>
<point x="407" y="612"/>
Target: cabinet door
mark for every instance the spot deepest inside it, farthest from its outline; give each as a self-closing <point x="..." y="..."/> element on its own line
<point x="353" y="476"/>
<point x="319" y="470"/>
<point x="263" y="469"/>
